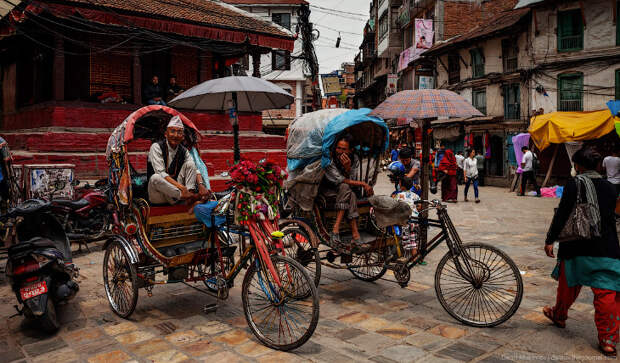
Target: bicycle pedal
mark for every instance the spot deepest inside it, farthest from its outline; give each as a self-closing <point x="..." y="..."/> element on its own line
<point x="209" y="308"/>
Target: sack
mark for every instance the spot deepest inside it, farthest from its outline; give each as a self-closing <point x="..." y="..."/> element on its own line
<point x="578" y="225"/>
<point x="389" y="211"/>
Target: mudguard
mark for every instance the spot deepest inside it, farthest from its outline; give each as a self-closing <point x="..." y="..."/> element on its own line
<point x="126" y="245"/>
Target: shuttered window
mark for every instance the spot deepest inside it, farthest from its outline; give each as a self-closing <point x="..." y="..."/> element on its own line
<point x="512" y="102"/>
<point x="477" y="63"/>
<point x="570" y="92"/>
<point x="570" y="30"/>
<point x="479" y="100"/>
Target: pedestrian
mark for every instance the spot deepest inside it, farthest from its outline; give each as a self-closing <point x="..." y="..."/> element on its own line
<point x="449" y="187"/>
<point x="459" y="163"/>
<point x="394" y="154"/>
<point x="152" y="92"/>
<point x="611" y="164"/>
<point x="439" y="154"/>
<point x="470" y="167"/>
<point x="480" y="160"/>
<point x="593" y="262"/>
<point x="527" y="165"/>
<point x="412" y="165"/>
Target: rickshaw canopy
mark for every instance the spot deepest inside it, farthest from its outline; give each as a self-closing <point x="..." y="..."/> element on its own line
<point x="150" y="123"/>
<point x="312" y="135"/>
<point x="561" y="127"/>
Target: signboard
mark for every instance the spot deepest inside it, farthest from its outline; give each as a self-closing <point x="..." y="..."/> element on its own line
<point x="49" y="181"/>
<point x="331" y="85"/>
<point x="426" y="82"/>
<point x="392" y="84"/>
<point x="424" y="35"/>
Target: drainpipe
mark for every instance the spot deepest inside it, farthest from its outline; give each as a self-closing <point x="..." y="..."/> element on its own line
<point x="298" y="98"/>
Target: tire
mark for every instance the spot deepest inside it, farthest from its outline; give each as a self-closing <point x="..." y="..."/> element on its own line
<point x="304" y="304"/>
<point x="297" y="246"/>
<point x="364" y="272"/>
<point x="49" y="321"/>
<point x="120" y="280"/>
<point x="99" y="233"/>
<point x="493" y="297"/>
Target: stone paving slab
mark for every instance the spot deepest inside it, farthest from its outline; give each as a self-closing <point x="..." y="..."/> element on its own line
<point x="359" y="322"/>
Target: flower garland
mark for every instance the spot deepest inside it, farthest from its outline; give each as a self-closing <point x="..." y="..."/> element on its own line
<point x="258" y="187"/>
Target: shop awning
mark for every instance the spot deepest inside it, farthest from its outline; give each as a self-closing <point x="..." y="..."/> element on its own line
<point x="561" y="127"/>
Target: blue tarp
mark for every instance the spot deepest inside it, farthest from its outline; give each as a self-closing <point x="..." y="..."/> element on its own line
<point x="614" y="107"/>
<point x="344" y="121"/>
<point x="204" y="212"/>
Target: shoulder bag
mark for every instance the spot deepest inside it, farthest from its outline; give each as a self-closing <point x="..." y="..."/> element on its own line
<point x="579" y="222"/>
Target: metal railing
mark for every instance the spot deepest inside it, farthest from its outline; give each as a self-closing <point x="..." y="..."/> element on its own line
<point x="512" y="112"/>
<point x="573" y="42"/>
<point x="571" y="105"/>
<point x="510" y="64"/>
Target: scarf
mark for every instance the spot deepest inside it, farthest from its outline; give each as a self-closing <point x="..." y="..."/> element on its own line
<point x="448" y="163"/>
<point x="585" y="179"/>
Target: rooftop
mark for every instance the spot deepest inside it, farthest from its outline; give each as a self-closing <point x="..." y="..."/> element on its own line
<point x="266" y="2"/>
<point x="497" y="24"/>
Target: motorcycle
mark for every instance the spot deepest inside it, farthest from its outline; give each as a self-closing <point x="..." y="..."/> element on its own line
<point x="87" y="218"/>
<point x="39" y="267"/>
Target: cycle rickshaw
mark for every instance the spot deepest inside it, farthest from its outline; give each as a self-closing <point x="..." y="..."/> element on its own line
<point x="477" y="284"/>
<point x="154" y="245"/>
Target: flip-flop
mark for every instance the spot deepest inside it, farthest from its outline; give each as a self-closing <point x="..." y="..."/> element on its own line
<point x="608" y="353"/>
<point x="548" y="312"/>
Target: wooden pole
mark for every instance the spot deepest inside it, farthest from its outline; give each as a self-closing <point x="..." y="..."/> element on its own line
<point x="424" y="175"/>
<point x="555" y="153"/>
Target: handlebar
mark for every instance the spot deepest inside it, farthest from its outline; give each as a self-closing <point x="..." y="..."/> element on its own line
<point x="435" y="203"/>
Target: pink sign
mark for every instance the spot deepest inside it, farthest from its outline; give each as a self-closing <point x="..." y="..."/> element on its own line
<point x="424" y="35"/>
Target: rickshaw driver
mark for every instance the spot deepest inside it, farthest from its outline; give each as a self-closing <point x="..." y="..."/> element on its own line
<point x="171" y="171"/>
<point x="338" y="176"/>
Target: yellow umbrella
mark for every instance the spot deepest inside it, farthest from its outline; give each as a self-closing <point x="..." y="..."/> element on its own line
<point x="561" y="127"/>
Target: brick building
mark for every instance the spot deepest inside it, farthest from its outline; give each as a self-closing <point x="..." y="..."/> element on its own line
<point x="73" y="70"/>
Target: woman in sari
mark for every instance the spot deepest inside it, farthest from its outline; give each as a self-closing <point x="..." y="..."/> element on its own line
<point x="593" y="262"/>
<point x="449" y="185"/>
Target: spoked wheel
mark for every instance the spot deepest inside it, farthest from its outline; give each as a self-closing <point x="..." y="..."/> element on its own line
<point x="217" y="279"/>
<point x="367" y="266"/>
<point x="282" y="317"/>
<point x="488" y="295"/>
<point x="298" y="247"/>
<point x="120" y="280"/>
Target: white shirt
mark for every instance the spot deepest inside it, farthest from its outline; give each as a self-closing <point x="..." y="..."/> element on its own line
<point x="409" y="198"/>
<point x="157" y="160"/>
<point x="459" y="160"/>
<point x="612" y="167"/>
<point x="470" y="167"/>
<point x="528" y="157"/>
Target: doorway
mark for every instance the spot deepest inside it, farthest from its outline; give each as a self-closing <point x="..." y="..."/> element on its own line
<point x="155" y="64"/>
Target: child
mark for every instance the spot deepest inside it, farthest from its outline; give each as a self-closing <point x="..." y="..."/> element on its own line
<point x="408" y="195"/>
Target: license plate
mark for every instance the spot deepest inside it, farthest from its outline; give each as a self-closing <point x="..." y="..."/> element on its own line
<point x="33" y="290"/>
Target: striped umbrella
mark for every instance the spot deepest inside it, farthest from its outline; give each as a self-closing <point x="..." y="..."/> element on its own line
<point x="425" y="104"/>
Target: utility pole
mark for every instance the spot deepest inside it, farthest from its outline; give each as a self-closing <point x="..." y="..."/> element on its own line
<point x="311" y="64"/>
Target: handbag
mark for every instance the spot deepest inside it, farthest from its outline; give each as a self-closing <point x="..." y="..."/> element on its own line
<point x="578" y="225"/>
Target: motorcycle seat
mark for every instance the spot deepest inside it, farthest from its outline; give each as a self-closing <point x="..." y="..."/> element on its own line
<point x="31" y="244"/>
<point x="73" y="204"/>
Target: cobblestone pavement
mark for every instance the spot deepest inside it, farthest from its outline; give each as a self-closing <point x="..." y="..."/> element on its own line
<point x="359" y="321"/>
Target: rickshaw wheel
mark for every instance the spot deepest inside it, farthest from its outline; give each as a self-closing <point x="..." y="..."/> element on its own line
<point x="360" y="268"/>
<point x="285" y="317"/>
<point x="489" y="295"/>
<point x="297" y="246"/>
<point x="120" y="280"/>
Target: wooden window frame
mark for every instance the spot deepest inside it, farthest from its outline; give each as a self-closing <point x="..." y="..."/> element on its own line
<point x="577" y="37"/>
<point x="563" y="101"/>
<point x="287" y="60"/>
<point x="477" y="69"/>
<point x="476" y="92"/>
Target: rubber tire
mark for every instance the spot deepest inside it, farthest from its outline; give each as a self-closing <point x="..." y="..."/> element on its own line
<point x="367" y="278"/>
<point x="132" y="276"/>
<point x="315" y="251"/>
<point x="49" y="320"/>
<point x="516" y="273"/>
<point x="315" y="304"/>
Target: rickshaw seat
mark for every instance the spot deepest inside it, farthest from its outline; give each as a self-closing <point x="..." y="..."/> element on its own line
<point x="171" y="225"/>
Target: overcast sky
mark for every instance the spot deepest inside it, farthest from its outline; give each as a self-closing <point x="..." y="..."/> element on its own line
<point x="330" y="57"/>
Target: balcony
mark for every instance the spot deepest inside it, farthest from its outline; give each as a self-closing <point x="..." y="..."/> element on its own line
<point x="569" y="43"/>
<point x="512" y="112"/>
<point x="510" y="65"/>
<point x="571" y="105"/>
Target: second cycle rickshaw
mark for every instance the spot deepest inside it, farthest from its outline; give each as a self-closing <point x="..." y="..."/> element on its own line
<point x="477" y="284"/>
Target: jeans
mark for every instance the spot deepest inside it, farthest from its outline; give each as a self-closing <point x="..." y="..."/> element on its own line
<point x="472" y="181"/>
<point x="529" y="175"/>
<point x="153" y="102"/>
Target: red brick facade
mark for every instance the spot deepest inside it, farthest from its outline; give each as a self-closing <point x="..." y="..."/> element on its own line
<point x="185" y="64"/>
<point x="462" y="16"/>
<point x="110" y="73"/>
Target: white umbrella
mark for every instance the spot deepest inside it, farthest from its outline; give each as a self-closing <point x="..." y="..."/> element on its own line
<point x="253" y="95"/>
<point x="244" y="94"/>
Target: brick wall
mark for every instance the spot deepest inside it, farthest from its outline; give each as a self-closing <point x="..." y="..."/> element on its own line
<point x="184" y="63"/>
<point x="110" y="73"/>
<point x="461" y="17"/>
<point x="282" y="113"/>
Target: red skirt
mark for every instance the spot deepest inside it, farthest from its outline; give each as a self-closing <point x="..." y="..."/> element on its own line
<point x="449" y="188"/>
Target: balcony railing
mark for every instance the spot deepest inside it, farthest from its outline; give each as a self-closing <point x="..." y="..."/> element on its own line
<point x="512" y="112"/>
<point x="573" y="42"/>
<point x="571" y="105"/>
<point x="510" y="64"/>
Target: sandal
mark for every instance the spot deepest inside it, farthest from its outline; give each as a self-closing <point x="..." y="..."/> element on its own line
<point x="548" y="312"/>
<point x="608" y="350"/>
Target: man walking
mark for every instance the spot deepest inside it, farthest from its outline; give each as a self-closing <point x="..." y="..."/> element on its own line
<point x="459" y="163"/>
<point x="527" y="165"/>
<point x="611" y="164"/>
<point x="480" y="160"/>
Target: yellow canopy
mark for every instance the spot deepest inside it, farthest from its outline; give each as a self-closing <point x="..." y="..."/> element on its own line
<point x="561" y="127"/>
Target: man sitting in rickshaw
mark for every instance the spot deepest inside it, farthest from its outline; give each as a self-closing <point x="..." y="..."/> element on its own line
<point x="171" y="171"/>
<point x="338" y="182"/>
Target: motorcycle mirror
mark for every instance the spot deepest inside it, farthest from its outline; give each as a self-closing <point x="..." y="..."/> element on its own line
<point x="75" y="182"/>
